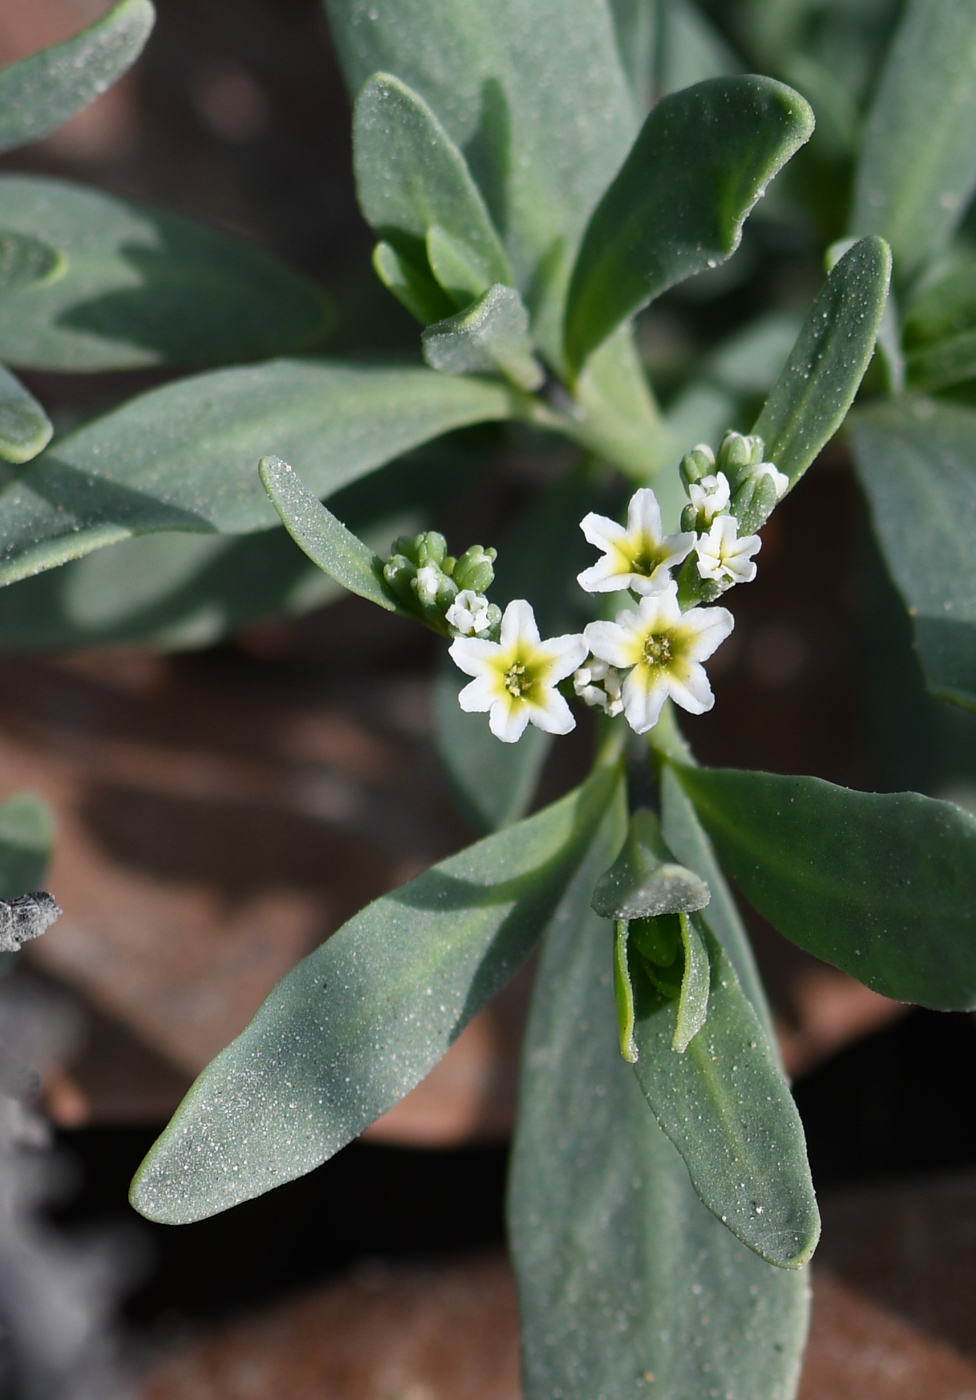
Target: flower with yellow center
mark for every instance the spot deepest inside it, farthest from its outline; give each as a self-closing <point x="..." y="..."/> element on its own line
<point x="664" y="648"/>
<point x="639" y="556"/>
<point x="515" y="678"/>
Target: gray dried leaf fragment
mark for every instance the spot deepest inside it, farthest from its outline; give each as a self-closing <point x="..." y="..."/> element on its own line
<point x="26" y="917"/>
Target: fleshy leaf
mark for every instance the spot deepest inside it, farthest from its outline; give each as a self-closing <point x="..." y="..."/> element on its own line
<point x="25" y="260"/>
<point x="541" y="150"/>
<point x="726" y="1107"/>
<point x="615" y="415"/>
<point x="491" y="336"/>
<point x="411" y="177"/>
<point x="917" y="168"/>
<point x="325" y="540"/>
<point x="702" y="159"/>
<point x="645" y="880"/>
<point x="40" y="92"/>
<point x="811" y="397"/>
<point x="360" y="1021"/>
<point x="139" y="468"/>
<point x="916" y="459"/>
<point x="882" y="885"/>
<point x="25" y="429"/>
<point x="412" y="285"/>
<point x="140" y="287"/>
<point x="622" y="1273"/>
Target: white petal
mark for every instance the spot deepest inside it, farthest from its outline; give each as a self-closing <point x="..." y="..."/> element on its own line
<point x="518" y="623"/>
<point x="603" y="532"/>
<point x="567" y="652"/>
<point x="605" y="576"/>
<point x="691" y="690"/>
<point x="610" y="642"/>
<point x="478" y="695"/>
<point x="658" y="610"/>
<point x="508" y="720"/>
<point x="644" y="515"/>
<point x="473" y="655"/>
<point x="643" y="694"/>
<point x="705" y="631"/>
<point x="551" y="713"/>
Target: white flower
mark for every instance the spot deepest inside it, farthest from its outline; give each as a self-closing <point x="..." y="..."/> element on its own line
<point x="665" y="648"/>
<point x="428" y="582"/>
<point x="725" y="558"/>
<point x="515" y="678"/>
<point x="710" y="496"/>
<point x="598" y="684"/>
<point x="637" y="557"/>
<point x="468" y="613"/>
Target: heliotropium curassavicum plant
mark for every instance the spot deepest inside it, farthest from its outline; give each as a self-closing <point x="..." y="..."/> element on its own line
<point x="526" y="206"/>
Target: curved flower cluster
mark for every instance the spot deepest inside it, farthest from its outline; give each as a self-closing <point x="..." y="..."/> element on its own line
<point x="654" y="648"/>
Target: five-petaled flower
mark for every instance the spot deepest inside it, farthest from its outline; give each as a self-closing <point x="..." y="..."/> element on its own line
<point x="665" y="648"/>
<point x="515" y="678"/>
<point x="723" y="556"/>
<point x="638" y="556"/>
<point x="469" y="613"/>
<point x="710" y="496"/>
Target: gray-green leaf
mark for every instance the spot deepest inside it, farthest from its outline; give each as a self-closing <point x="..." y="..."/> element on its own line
<point x="532" y="93"/>
<point x="489" y="337"/>
<point x="917" y="169"/>
<point x="916" y="459"/>
<point x="42" y="91"/>
<point x="882" y="885"/>
<point x="140" y="468"/>
<point x="25" y="429"/>
<point x="411" y="177"/>
<point x="325" y="540"/>
<point x="360" y="1021"/>
<point x="810" y="399"/>
<point x="645" y="880"/>
<point x="623" y="1274"/>
<point x="140" y="287"/>
<point x="727" y="1109"/>
<point x="703" y="158"/>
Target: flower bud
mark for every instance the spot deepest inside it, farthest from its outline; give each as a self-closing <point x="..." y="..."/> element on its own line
<point x="757" y="495"/>
<point x="474" y="569"/>
<point x="699" y="462"/>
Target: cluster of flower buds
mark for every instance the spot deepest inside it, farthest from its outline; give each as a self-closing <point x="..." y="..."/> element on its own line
<point x="445" y="593"/>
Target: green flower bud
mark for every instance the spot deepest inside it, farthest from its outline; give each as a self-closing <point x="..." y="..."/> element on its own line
<point x="737" y="454"/>
<point x="754" y="502"/>
<point x="474" y="569"/>
<point x="399" y="573"/>
<point x="699" y="462"/>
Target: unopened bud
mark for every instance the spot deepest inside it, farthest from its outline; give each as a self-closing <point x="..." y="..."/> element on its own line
<point x="474" y="569"/>
<point x="699" y="462"/>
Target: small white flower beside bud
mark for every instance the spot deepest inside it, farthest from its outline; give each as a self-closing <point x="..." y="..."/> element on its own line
<point x="599" y="684"/>
<point x="725" y="558"/>
<point x="428" y="583"/>
<point x="469" y="614"/>
<point x="710" y="496"/>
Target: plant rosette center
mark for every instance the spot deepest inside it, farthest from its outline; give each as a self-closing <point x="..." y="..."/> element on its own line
<point x="515" y="678"/>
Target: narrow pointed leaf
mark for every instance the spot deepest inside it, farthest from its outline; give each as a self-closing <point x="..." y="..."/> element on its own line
<point x="692" y="1008"/>
<point x="917" y="169"/>
<point x="359" y="1022"/>
<point x="491" y="336"/>
<point x="812" y="395"/>
<point x="139" y="469"/>
<point x="622" y="1272"/>
<point x="882" y="885"/>
<point x="726" y="1107"/>
<point x="702" y="159"/>
<point x="916" y="459"/>
<point x="645" y="880"/>
<point x="25" y="429"/>
<point x="325" y="540"/>
<point x="411" y="177"/>
<point x="540" y="152"/>
<point x="42" y="91"/>
<point x="25" y="260"/>
<point x="139" y="287"/>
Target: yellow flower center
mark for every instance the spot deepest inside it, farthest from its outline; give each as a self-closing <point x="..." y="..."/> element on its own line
<point x="515" y="680"/>
<point x="657" y="649"/>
